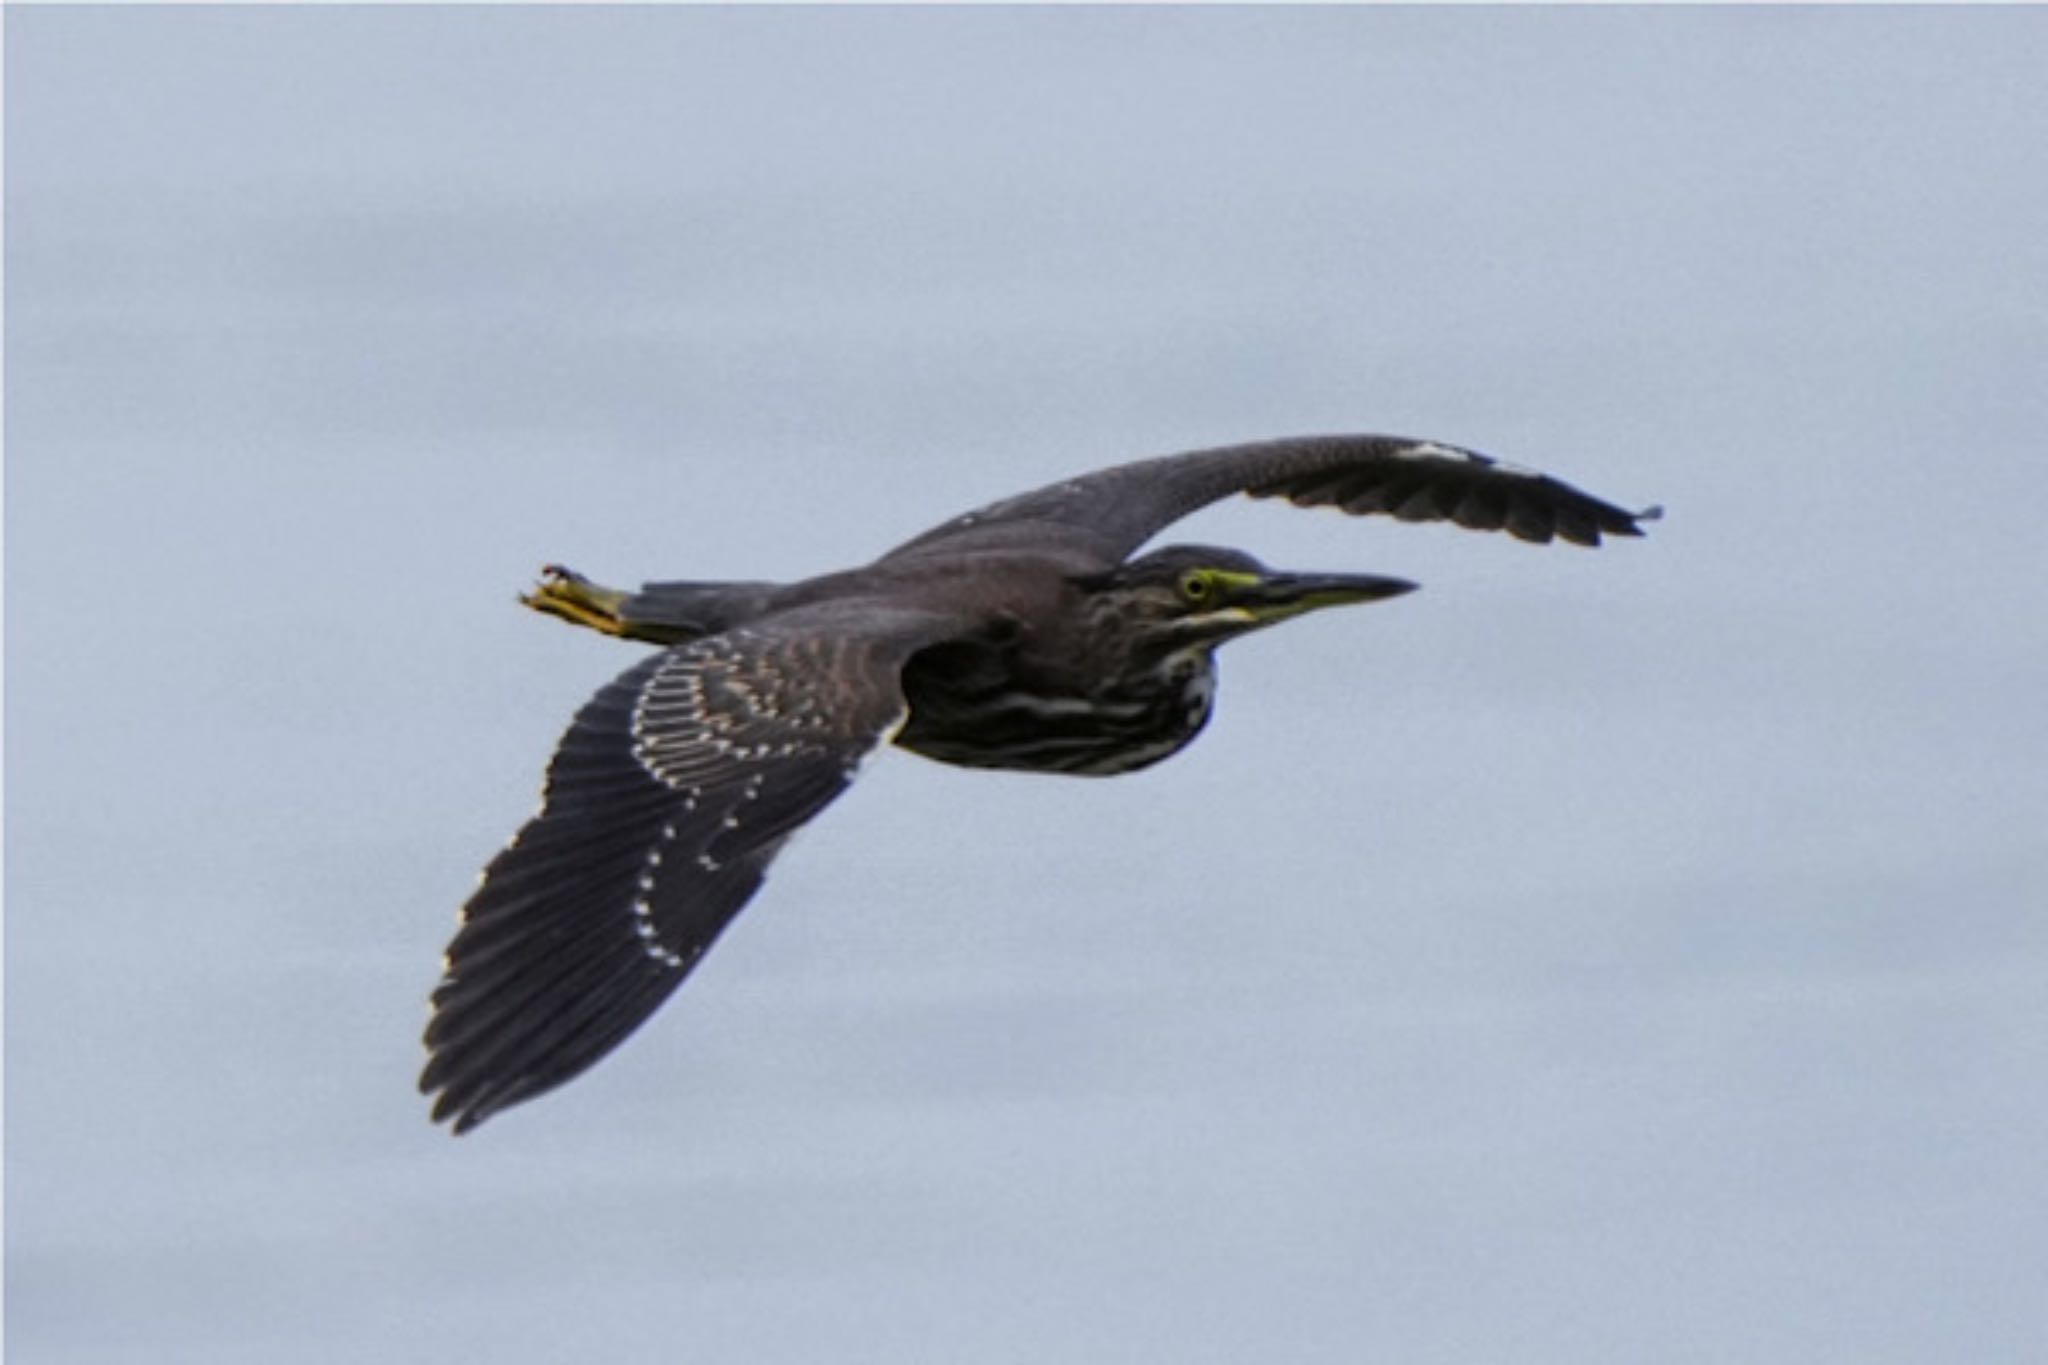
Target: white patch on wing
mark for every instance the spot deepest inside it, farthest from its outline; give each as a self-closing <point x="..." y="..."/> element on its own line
<point x="1436" y="450"/>
<point x="1423" y="450"/>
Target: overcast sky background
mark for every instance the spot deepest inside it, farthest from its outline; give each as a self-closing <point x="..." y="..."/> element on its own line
<point x="1600" y="956"/>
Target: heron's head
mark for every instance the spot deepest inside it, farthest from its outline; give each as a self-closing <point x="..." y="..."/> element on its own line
<point x="1185" y="595"/>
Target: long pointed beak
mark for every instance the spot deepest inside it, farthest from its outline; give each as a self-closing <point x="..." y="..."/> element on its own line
<point x="1278" y="595"/>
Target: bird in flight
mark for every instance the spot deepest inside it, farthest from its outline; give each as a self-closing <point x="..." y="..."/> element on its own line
<point x="1022" y="635"/>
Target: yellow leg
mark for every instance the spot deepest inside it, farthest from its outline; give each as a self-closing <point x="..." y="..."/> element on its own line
<point x="569" y="595"/>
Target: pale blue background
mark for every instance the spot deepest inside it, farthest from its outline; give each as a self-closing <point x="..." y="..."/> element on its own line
<point x="1622" y="956"/>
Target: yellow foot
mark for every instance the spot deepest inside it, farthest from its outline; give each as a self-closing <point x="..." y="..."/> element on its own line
<point x="575" y="599"/>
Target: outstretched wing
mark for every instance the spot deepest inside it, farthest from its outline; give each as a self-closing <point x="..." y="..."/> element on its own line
<point x="664" y="804"/>
<point x="1114" y="511"/>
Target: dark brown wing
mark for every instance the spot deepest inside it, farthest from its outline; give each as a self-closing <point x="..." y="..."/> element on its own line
<point x="664" y="804"/>
<point x="1114" y="511"/>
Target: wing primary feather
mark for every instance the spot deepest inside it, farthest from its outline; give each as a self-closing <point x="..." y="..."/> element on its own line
<point x="1424" y="504"/>
<point x="482" y="1045"/>
<point x="543" y="1046"/>
<point x="1576" y="525"/>
<point x="1481" y="509"/>
<point x="1529" y="521"/>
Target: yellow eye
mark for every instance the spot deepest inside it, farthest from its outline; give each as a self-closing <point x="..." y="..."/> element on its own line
<point x="1195" y="585"/>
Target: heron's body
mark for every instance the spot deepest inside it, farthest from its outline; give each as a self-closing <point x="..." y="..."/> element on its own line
<point x="1021" y="636"/>
<point x="1020" y="697"/>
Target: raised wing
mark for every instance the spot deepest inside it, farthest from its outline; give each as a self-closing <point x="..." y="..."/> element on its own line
<point x="1113" y="511"/>
<point x="664" y="804"/>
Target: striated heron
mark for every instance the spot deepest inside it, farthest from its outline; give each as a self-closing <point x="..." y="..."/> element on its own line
<point x="1021" y="635"/>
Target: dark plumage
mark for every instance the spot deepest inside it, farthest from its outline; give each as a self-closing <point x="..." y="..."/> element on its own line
<point x="1019" y="636"/>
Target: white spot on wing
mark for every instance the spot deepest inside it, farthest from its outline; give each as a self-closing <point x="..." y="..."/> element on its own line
<point x="1422" y="450"/>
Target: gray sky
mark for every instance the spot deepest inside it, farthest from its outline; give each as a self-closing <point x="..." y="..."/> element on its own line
<point x="1617" y="956"/>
